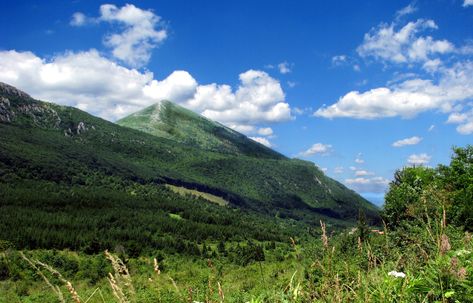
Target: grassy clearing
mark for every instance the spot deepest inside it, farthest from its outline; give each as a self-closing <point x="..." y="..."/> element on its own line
<point x="209" y="197"/>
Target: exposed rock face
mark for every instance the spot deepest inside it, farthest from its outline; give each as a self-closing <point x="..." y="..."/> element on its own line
<point x="6" y="114"/>
<point x="41" y="114"/>
<point x="81" y="128"/>
<point x="12" y="106"/>
<point x="9" y="90"/>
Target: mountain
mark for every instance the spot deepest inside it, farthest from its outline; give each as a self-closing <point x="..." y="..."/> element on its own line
<point x="67" y="177"/>
<point x="168" y="120"/>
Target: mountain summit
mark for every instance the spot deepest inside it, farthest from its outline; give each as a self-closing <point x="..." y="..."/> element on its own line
<point x="169" y="120"/>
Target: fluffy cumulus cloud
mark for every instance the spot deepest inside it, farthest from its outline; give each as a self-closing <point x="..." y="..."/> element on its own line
<point x="112" y="91"/>
<point x="407" y="141"/>
<point x="259" y="97"/>
<point x="368" y="185"/>
<point x="107" y="90"/>
<point x="419" y="159"/>
<point x="140" y="31"/>
<point x="317" y="149"/>
<point x="404" y="45"/>
<point x="408" y="98"/>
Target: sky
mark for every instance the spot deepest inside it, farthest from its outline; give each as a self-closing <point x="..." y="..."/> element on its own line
<point x="360" y="88"/>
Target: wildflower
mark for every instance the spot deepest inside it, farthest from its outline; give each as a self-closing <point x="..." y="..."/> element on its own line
<point x="444" y="244"/>
<point x="462" y="273"/>
<point x="397" y="274"/>
<point x="324" y="234"/>
<point x="454" y="262"/>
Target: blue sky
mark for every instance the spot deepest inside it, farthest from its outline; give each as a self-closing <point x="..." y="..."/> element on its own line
<point x="359" y="88"/>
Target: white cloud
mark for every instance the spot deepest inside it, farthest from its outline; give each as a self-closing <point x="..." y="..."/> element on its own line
<point x="408" y="94"/>
<point x="291" y="84"/>
<point x="368" y="185"/>
<point x="178" y="87"/>
<point x="432" y="65"/>
<point x="242" y="128"/>
<point x="262" y="140"/>
<point x="78" y="19"/>
<point x="339" y="60"/>
<point x="107" y="90"/>
<point x="404" y="45"/>
<point x="285" y="67"/>
<point x="467" y="3"/>
<point x="359" y="159"/>
<point x="407" y="141"/>
<point x="302" y="111"/>
<point x="465" y="121"/>
<point x="457" y="118"/>
<point x="112" y="91"/>
<point x="360" y="173"/>
<point x="352" y="168"/>
<point x="408" y="98"/>
<point x="466" y="128"/>
<point x="431" y="128"/>
<point x="338" y="170"/>
<point x="266" y="131"/>
<point x="258" y="98"/>
<point x="142" y="32"/>
<point x="317" y="149"/>
<point x="411" y="8"/>
<point x="418" y="159"/>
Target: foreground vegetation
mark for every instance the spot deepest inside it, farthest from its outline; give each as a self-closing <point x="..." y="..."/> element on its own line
<point x="423" y="253"/>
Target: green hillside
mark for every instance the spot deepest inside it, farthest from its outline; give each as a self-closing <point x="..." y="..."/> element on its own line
<point x="168" y="120"/>
<point x="67" y="176"/>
